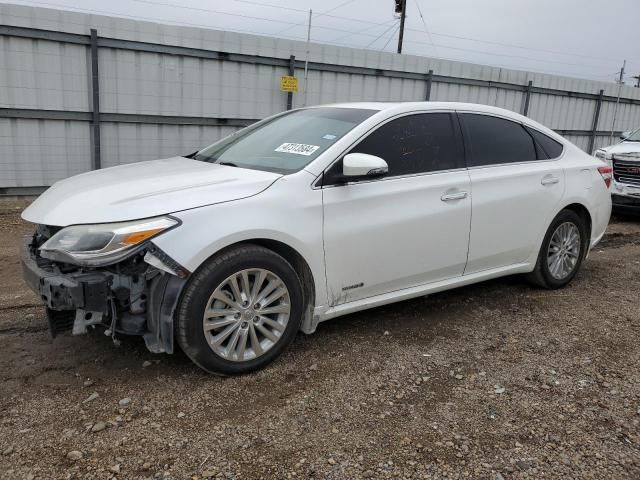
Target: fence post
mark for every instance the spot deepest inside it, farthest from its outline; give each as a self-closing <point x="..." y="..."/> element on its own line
<point x="427" y="95"/>
<point x="292" y="65"/>
<point x="95" y="111"/>
<point x="527" y="98"/>
<point x="594" y="127"/>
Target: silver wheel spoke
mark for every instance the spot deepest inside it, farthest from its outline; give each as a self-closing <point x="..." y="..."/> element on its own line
<point x="221" y="337"/>
<point x="219" y="312"/>
<point x="224" y="299"/>
<point x="242" y="343"/>
<point x="246" y="288"/>
<point x="215" y="324"/>
<point x="272" y="323"/>
<point x="233" y="341"/>
<point x="236" y="290"/>
<point x="282" y="308"/>
<point x="257" y="284"/>
<point x="271" y="286"/>
<point x="266" y="332"/>
<point x="274" y="296"/>
<point x="255" y="344"/>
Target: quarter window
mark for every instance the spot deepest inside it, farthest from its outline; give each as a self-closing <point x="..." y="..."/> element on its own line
<point x="419" y="143"/>
<point x="547" y="146"/>
<point x="495" y="140"/>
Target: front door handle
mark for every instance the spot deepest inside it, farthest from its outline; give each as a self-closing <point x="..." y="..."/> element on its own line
<point x="550" y="180"/>
<point x="447" y="197"/>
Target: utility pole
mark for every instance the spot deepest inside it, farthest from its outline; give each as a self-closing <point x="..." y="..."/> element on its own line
<point x="637" y="79"/>
<point x="615" y="111"/>
<point x="401" y="8"/>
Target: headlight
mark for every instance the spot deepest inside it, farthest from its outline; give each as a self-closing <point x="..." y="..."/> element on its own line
<point x="103" y="243"/>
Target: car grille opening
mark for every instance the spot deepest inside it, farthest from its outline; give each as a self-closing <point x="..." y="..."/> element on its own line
<point x="626" y="172"/>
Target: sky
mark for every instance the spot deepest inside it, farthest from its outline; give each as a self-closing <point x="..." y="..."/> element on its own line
<point x="577" y="38"/>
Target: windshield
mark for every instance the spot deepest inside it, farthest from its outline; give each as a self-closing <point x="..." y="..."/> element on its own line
<point x="634" y="137"/>
<point x="285" y="143"/>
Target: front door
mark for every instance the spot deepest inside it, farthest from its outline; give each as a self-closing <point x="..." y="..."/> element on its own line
<point x="408" y="228"/>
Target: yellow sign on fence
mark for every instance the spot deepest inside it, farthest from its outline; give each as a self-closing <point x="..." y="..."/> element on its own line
<point x="288" y="83"/>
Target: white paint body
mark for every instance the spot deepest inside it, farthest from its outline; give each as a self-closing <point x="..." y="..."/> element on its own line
<point x="395" y="236"/>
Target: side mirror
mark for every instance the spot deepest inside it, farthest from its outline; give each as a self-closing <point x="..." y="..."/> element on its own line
<point x="624" y="135"/>
<point x="363" y="165"/>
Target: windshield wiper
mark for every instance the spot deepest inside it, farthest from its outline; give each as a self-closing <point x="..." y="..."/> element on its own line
<point x="228" y="164"/>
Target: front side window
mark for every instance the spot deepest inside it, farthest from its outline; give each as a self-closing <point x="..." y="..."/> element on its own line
<point x="285" y="143"/>
<point x="495" y="140"/>
<point x="418" y="143"/>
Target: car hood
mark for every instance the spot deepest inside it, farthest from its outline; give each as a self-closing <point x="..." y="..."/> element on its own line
<point x="624" y="149"/>
<point x="144" y="189"/>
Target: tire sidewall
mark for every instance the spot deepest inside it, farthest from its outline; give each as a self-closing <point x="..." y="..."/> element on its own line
<point x="563" y="217"/>
<point x="205" y="280"/>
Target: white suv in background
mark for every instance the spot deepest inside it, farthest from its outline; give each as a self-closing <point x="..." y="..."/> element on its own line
<point x="624" y="157"/>
<point x="308" y="215"/>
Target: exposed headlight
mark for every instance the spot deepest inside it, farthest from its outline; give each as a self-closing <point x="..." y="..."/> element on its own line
<point x="103" y="243"/>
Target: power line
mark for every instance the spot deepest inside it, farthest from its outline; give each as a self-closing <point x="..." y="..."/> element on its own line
<point x="381" y="35"/>
<point x="134" y="17"/>
<point x="426" y="29"/>
<point x="328" y="14"/>
<point x="393" y="34"/>
<point x="349" y="32"/>
<point x="346" y="2"/>
<point x="358" y="32"/>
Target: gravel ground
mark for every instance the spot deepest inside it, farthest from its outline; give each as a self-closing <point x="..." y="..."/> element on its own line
<point x="497" y="380"/>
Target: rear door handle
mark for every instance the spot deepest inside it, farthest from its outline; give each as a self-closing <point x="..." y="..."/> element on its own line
<point x="447" y="197"/>
<point x="549" y="180"/>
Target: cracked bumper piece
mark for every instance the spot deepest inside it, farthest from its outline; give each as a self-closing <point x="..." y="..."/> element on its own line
<point x="140" y="302"/>
<point x="88" y="291"/>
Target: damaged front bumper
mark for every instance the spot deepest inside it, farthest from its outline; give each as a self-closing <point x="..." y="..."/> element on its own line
<point x="136" y="296"/>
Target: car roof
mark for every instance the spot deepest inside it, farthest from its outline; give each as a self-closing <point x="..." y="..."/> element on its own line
<point x="393" y="108"/>
<point x="408" y="106"/>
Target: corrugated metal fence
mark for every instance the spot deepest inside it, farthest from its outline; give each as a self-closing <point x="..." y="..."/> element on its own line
<point x="81" y="91"/>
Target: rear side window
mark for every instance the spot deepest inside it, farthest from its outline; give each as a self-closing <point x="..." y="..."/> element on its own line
<point x="419" y="143"/>
<point x="547" y="146"/>
<point x="495" y="140"/>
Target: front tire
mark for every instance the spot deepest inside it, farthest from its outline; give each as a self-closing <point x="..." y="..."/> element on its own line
<point x="562" y="252"/>
<point x="239" y="311"/>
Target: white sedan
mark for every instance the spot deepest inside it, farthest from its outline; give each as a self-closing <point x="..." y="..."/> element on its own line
<point x="308" y="215"/>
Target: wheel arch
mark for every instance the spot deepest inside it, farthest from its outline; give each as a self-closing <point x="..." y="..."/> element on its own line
<point x="583" y="212"/>
<point x="299" y="264"/>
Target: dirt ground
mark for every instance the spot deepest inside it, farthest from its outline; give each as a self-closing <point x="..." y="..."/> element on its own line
<point x="497" y="380"/>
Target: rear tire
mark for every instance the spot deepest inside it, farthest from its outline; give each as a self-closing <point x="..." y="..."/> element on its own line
<point x="228" y="327"/>
<point x="562" y="252"/>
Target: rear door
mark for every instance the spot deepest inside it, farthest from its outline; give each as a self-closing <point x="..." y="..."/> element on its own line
<point x="408" y="228"/>
<point x="516" y="189"/>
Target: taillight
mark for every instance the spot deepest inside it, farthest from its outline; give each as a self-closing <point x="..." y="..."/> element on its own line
<point x="607" y="174"/>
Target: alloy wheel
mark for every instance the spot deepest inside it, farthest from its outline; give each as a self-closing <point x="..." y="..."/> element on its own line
<point x="246" y="314"/>
<point x="564" y="250"/>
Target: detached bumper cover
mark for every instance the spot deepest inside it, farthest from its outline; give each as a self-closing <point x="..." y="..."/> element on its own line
<point x="72" y="291"/>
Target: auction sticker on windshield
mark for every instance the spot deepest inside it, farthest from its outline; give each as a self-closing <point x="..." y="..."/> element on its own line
<point x="297" y="148"/>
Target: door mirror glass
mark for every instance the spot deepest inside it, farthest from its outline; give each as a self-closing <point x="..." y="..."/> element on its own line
<point x="363" y="165"/>
<point x="625" y="135"/>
